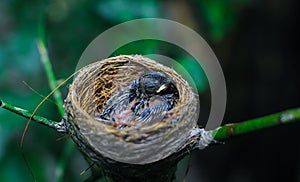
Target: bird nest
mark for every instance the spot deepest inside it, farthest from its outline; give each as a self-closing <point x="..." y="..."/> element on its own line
<point x="133" y="141"/>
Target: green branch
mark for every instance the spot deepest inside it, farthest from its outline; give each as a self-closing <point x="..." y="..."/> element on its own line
<point x="49" y="71"/>
<point x="39" y="119"/>
<point x="231" y="130"/>
<point x="219" y="134"/>
<point x="62" y="163"/>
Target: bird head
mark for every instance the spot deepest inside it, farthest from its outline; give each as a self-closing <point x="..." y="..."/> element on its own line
<point x="157" y="83"/>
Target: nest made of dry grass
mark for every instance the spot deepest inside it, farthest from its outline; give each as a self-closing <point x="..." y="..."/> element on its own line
<point x="93" y="87"/>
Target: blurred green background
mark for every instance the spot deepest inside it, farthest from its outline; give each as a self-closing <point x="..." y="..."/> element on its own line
<point x="255" y="42"/>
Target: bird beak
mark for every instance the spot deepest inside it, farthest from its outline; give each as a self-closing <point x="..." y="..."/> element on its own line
<point x="161" y="88"/>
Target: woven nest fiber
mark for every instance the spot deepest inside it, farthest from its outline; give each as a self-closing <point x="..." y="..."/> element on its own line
<point x="140" y="142"/>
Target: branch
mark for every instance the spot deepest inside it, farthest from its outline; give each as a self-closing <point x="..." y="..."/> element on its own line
<point x="49" y="71"/>
<point x="58" y="98"/>
<point x="231" y="130"/>
<point x="39" y="119"/>
<point x="219" y="134"/>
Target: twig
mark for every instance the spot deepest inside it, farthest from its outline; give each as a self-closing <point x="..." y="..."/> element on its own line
<point x="49" y="71"/>
<point x="219" y="134"/>
<point x="231" y="130"/>
<point x="39" y="119"/>
<point x="62" y="163"/>
<point x="39" y="94"/>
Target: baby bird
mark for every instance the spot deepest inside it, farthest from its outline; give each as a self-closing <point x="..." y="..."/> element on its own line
<point x="147" y="99"/>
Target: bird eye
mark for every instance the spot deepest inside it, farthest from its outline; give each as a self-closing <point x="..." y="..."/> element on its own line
<point x="150" y="86"/>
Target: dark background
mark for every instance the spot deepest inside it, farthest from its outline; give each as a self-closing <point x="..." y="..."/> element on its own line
<point x="255" y="42"/>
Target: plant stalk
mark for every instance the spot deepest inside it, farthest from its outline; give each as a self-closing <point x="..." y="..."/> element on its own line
<point x="26" y="114"/>
<point x="231" y="130"/>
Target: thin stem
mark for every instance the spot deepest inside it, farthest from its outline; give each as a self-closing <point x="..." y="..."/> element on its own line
<point x="49" y="72"/>
<point x="39" y="119"/>
<point x="57" y="97"/>
<point x="231" y="130"/>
